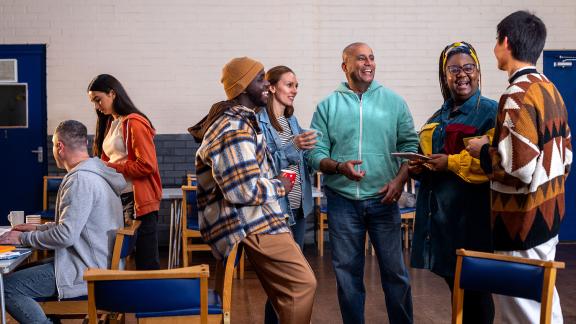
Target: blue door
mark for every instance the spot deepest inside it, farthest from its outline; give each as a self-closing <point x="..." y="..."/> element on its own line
<point x="22" y="127"/>
<point x="560" y="68"/>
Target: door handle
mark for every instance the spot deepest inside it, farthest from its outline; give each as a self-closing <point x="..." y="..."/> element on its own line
<point x="40" y="152"/>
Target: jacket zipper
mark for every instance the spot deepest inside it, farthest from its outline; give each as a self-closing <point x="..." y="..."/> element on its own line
<point x="359" y="151"/>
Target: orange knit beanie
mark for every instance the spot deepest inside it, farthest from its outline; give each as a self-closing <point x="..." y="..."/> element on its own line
<point x="238" y="74"/>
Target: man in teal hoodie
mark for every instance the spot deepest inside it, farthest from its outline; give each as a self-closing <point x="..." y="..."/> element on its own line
<point x="363" y="122"/>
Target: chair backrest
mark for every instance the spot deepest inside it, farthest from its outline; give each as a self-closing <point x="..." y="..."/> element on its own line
<point x="320" y="200"/>
<point x="148" y="291"/>
<point x="51" y="185"/>
<point x="189" y="208"/>
<point x="124" y="244"/>
<point x="504" y="275"/>
<point x="224" y="279"/>
<point x="191" y="179"/>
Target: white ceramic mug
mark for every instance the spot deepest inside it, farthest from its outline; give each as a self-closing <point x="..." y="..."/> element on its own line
<point x="318" y="133"/>
<point x="16" y="217"/>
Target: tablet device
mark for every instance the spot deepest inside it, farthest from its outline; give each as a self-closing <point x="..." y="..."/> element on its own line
<point x="411" y="156"/>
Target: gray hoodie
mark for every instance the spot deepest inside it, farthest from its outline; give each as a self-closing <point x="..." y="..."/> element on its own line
<point x="88" y="214"/>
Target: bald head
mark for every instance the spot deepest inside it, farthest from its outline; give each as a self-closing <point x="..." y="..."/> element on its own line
<point x="349" y="50"/>
<point x="359" y="66"/>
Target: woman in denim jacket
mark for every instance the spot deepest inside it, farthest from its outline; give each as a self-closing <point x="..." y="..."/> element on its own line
<point x="287" y="143"/>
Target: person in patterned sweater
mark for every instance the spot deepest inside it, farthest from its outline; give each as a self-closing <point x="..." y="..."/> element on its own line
<point x="529" y="158"/>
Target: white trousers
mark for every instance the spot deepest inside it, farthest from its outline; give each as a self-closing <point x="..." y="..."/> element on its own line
<point x="520" y="310"/>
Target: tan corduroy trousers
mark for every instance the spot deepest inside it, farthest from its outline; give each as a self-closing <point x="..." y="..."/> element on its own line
<point x="284" y="274"/>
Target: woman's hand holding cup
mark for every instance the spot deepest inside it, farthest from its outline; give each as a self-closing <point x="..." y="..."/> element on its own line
<point x="307" y="140"/>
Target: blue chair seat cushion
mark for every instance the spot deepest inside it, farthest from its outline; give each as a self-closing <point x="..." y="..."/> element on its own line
<point x="147" y="295"/>
<point x="46" y="214"/>
<point x="214" y="307"/>
<point x="192" y="223"/>
<point x="407" y="210"/>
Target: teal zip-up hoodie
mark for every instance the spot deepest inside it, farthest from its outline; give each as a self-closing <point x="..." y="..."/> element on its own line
<point x="366" y="129"/>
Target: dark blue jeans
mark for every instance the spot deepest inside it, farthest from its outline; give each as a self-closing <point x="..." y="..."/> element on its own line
<point x="349" y="220"/>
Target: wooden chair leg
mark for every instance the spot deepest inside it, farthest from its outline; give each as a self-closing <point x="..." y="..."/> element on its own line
<point x="318" y="240"/>
<point x="239" y="271"/>
<point x="406" y="243"/>
<point x="321" y="239"/>
<point x="185" y="254"/>
<point x="241" y="266"/>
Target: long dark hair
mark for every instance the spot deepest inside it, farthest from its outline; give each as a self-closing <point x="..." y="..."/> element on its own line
<point x="455" y="48"/>
<point x="122" y="106"/>
<point x="273" y="76"/>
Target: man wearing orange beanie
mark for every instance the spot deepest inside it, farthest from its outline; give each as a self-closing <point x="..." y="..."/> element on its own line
<point x="238" y="196"/>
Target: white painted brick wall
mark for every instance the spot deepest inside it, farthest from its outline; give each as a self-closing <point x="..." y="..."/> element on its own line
<point x="169" y="54"/>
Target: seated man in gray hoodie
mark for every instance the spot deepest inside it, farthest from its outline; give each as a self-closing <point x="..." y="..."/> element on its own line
<point x="88" y="213"/>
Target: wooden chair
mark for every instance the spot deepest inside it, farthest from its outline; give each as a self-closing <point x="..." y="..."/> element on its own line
<point x="77" y="307"/>
<point x="155" y="309"/>
<point x="321" y="211"/>
<point x="160" y="293"/>
<point x="190" y="225"/>
<point x="191" y="228"/>
<point x="191" y="179"/>
<point x="50" y="187"/>
<point x="504" y="275"/>
<point x="408" y="215"/>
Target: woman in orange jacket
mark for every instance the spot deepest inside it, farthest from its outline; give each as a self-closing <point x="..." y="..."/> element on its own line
<point x="124" y="139"/>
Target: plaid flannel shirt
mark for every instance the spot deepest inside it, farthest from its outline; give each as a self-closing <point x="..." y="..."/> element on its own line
<point x="236" y="193"/>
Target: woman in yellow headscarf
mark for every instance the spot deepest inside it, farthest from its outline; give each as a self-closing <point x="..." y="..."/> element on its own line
<point x="453" y="204"/>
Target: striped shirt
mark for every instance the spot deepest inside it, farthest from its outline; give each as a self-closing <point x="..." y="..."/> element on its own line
<point x="294" y="196"/>
<point x="236" y="193"/>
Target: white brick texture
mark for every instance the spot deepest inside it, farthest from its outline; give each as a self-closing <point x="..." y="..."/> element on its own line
<point x="169" y="54"/>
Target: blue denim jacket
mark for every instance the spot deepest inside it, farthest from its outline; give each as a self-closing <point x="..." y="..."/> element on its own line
<point x="287" y="155"/>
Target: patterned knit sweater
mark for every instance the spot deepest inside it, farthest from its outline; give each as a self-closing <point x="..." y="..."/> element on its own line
<point x="528" y="163"/>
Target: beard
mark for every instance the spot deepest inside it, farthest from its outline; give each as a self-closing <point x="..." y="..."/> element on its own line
<point x="257" y="99"/>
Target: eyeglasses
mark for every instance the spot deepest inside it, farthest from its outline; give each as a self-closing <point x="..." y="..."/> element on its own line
<point x="467" y="68"/>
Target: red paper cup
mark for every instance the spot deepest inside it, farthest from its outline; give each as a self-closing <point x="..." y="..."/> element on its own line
<point x="291" y="175"/>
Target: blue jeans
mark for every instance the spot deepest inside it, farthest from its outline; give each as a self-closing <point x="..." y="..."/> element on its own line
<point x="349" y="220"/>
<point x="21" y="287"/>
<point x="298" y="231"/>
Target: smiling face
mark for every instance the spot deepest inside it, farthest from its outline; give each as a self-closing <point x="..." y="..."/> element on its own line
<point x="359" y="66"/>
<point x="257" y="90"/>
<point x="103" y="102"/>
<point x="462" y="85"/>
<point x="285" y="90"/>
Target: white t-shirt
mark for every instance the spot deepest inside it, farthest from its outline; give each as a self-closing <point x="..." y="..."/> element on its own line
<point x="115" y="147"/>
